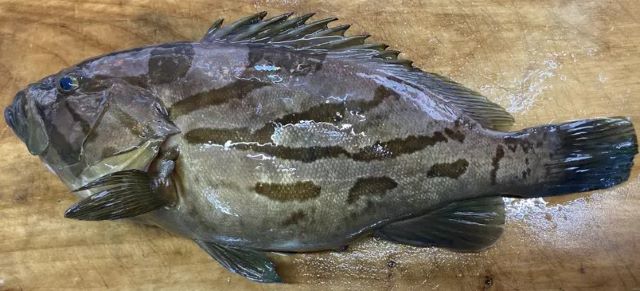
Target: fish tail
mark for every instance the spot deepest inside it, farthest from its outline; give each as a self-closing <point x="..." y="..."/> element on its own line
<point x="577" y="156"/>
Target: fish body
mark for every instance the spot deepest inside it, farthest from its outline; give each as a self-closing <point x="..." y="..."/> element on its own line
<point x="284" y="162"/>
<point x="282" y="135"/>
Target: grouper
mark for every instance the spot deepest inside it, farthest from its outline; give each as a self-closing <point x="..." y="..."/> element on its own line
<point x="282" y="134"/>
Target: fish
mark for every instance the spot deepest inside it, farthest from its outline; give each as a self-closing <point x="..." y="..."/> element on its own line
<point x="283" y="134"/>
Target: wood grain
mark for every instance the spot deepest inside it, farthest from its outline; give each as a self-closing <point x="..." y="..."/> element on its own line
<point x="544" y="60"/>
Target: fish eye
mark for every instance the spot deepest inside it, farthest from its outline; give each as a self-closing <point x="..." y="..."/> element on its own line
<point x="68" y="84"/>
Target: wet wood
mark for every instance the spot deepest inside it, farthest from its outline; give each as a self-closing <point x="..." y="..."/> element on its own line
<point x="546" y="61"/>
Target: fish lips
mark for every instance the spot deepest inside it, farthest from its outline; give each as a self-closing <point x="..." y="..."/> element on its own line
<point x="25" y="121"/>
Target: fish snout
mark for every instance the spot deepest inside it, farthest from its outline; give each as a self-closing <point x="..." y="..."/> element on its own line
<point x="8" y="116"/>
<point x="14" y="112"/>
<point x="27" y="124"/>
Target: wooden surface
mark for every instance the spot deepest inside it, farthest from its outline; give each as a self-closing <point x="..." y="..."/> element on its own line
<point x="546" y="61"/>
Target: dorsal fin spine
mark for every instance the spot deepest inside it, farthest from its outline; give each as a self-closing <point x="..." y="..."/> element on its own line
<point x="304" y="29"/>
<point x="284" y="26"/>
<point x="213" y="28"/>
<point x="337" y="30"/>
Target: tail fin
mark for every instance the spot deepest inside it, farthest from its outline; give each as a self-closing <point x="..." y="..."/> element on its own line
<point x="586" y="155"/>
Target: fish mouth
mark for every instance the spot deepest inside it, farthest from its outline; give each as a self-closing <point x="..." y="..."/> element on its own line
<point x="26" y="123"/>
<point x="8" y="117"/>
<point x="13" y="113"/>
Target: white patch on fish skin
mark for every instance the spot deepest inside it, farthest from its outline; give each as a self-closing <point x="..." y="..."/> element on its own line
<point x="232" y="240"/>
<point x="260" y="157"/>
<point x="276" y="137"/>
<point x="284" y="169"/>
<point x="338" y="98"/>
<point x="321" y="133"/>
<point x="275" y="78"/>
<point x="220" y="205"/>
<point x="290" y="244"/>
<point x="206" y="146"/>
<point x="227" y="145"/>
<point x="258" y="109"/>
<point x="269" y="68"/>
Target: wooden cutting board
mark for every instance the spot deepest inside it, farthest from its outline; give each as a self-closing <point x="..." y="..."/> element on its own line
<point x="545" y="61"/>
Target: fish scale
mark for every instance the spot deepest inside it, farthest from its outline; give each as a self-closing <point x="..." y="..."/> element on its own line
<point x="285" y="135"/>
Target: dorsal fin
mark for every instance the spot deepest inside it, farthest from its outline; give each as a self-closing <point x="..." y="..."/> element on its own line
<point x="296" y="33"/>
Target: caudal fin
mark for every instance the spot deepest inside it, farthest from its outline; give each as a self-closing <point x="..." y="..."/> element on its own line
<point x="587" y="155"/>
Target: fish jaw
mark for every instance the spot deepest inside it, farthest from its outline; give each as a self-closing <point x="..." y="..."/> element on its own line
<point x="23" y="119"/>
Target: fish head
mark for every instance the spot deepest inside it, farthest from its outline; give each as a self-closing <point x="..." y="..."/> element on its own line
<point x="80" y="116"/>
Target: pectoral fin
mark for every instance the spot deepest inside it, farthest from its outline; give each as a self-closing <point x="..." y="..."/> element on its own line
<point x="119" y="195"/>
<point x="253" y="265"/>
<point x="469" y="225"/>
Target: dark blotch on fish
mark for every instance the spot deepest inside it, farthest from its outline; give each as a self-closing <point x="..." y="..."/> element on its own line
<point x="495" y="163"/>
<point x="294" y="218"/>
<point x="235" y="90"/>
<point x="109" y="151"/>
<point x="77" y="118"/>
<point x="168" y="64"/>
<point x="139" y="81"/>
<point x="513" y="143"/>
<point x="512" y="146"/>
<point x="299" y="191"/>
<point x="396" y="147"/>
<point x="372" y="186"/>
<point x="68" y="151"/>
<point x="450" y="170"/>
<point x="454" y="134"/>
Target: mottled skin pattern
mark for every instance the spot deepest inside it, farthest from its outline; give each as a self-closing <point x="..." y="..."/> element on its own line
<point x="292" y="150"/>
<point x="244" y="93"/>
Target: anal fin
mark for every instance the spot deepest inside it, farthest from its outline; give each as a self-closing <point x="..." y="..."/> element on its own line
<point x="251" y="264"/>
<point x="469" y="225"/>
